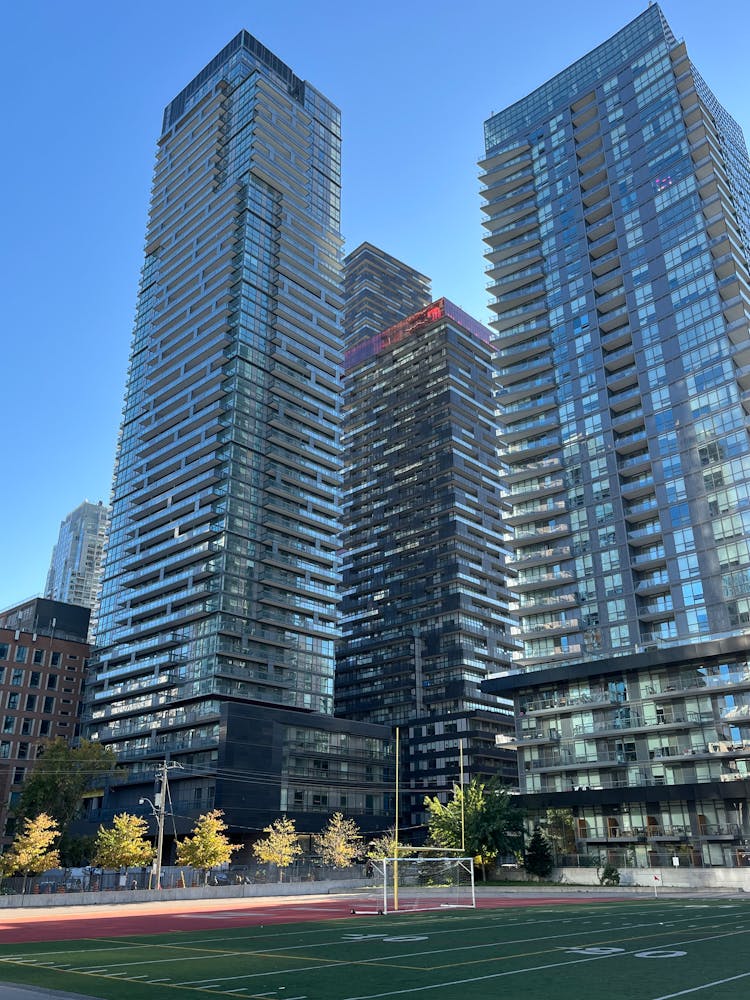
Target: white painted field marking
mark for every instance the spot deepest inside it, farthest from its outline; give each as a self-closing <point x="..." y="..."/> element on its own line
<point x="539" y="968"/>
<point x="385" y="958"/>
<point x="705" y="986"/>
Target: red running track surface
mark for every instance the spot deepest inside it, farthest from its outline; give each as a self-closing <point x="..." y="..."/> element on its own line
<point x="19" y="926"/>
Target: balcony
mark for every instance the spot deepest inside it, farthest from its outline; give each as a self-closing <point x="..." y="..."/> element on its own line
<point x="522" y="537"/>
<point x="605" y="263"/>
<point x="639" y="511"/>
<point x="527" y="428"/>
<point x="619" y="380"/>
<point x="614" y="319"/>
<point x="531" y="312"/>
<point x="633" y="464"/>
<point x="542" y="580"/>
<point x="510" y="265"/>
<point x="624" y="399"/>
<point x="539" y="557"/>
<point x="547" y="465"/>
<point x="637" y="487"/>
<point x="516" y="278"/>
<point x="653" y="584"/>
<point x="522" y="514"/>
<point x="592" y="162"/>
<point x="535" y="489"/>
<point x="650" y="558"/>
<point x="620" y="337"/>
<point x="658" y="611"/>
<point x="522" y="451"/>
<point x="518" y="389"/>
<point x="645" y="535"/>
<point x="627" y="443"/>
<point x="526" y="349"/>
<point x="552" y="603"/>
<point x="627" y="419"/>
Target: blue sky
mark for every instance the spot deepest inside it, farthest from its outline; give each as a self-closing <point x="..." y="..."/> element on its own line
<point x="83" y="88"/>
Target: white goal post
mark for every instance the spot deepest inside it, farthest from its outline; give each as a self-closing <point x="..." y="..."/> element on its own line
<point x="426" y="883"/>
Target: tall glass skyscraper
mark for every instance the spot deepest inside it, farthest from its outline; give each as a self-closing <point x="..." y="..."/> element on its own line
<point x="379" y="291"/>
<point x="425" y="606"/>
<point x="617" y="230"/>
<point x="75" y="570"/>
<point x="617" y="220"/>
<point x="220" y="582"/>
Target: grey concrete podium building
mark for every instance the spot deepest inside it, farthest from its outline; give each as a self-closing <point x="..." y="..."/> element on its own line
<point x="221" y="573"/>
<point x="617" y="227"/>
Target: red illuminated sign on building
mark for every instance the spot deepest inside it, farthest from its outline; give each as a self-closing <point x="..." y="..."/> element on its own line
<point x="438" y="310"/>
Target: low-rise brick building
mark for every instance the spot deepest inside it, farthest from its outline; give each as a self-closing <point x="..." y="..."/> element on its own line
<point x="43" y="654"/>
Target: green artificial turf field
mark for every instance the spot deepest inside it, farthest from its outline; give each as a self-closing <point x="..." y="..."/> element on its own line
<point x="644" y="949"/>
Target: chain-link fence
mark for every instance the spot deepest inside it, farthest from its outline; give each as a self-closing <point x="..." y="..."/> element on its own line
<point x="100" y="880"/>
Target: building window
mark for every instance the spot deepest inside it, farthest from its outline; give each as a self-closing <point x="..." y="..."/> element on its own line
<point x="30" y="702"/>
<point x="44" y="727"/>
<point x="9" y="724"/>
<point x="23" y="751"/>
<point x="55" y="661"/>
<point x="27" y="727"/>
<point x="52" y="682"/>
<point x="49" y="705"/>
<point x="16" y="676"/>
<point x="21" y="654"/>
<point x="35" y="679"/>
<point x="4" y="650"/>
<point x="4" y="749"/>
<point x="38" y="656"/>
<point x="13" y="700"/>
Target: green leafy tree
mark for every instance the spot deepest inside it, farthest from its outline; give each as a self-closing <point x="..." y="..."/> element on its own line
<point x="208" y="846"/>
<point x="32" y="853"/>
<point x="124" y="844"/>
<point x="281" y="846"/>
<point x="383" y="847"/>
<point x="608" y="875"/>
<point x="491" y="821"/>
<point x="339" y="844"/>
<point x="538" y="859"/>
<point x="76" y="851"/>
<point x="60" y="777"/>
<point x="559" y="828"/>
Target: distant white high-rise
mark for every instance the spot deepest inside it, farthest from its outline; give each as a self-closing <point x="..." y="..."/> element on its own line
<point x="76" y="566"/>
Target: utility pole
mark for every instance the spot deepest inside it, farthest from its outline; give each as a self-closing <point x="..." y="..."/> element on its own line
<point x="159" y="809"/>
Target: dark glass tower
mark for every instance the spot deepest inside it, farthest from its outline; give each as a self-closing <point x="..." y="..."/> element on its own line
<point x="379" y="290"/>
<point x="617" y="240"/>
<point x="220" y="583"/>
<point x="425" y="608"/>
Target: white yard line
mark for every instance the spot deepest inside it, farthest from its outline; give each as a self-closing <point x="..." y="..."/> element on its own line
<point x="705" y="986"/>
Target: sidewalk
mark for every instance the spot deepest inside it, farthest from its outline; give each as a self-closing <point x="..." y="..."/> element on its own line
<point x="10" y="991"/>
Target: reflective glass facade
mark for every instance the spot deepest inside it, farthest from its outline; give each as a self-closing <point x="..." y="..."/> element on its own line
<point x="379" y="290"/>
<point x="221" y="571"/>
<point x="75" y="571"/>
<point x="617" y="245"/>
<point x="425" y="606"/>
<point x="617" y="233"/>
